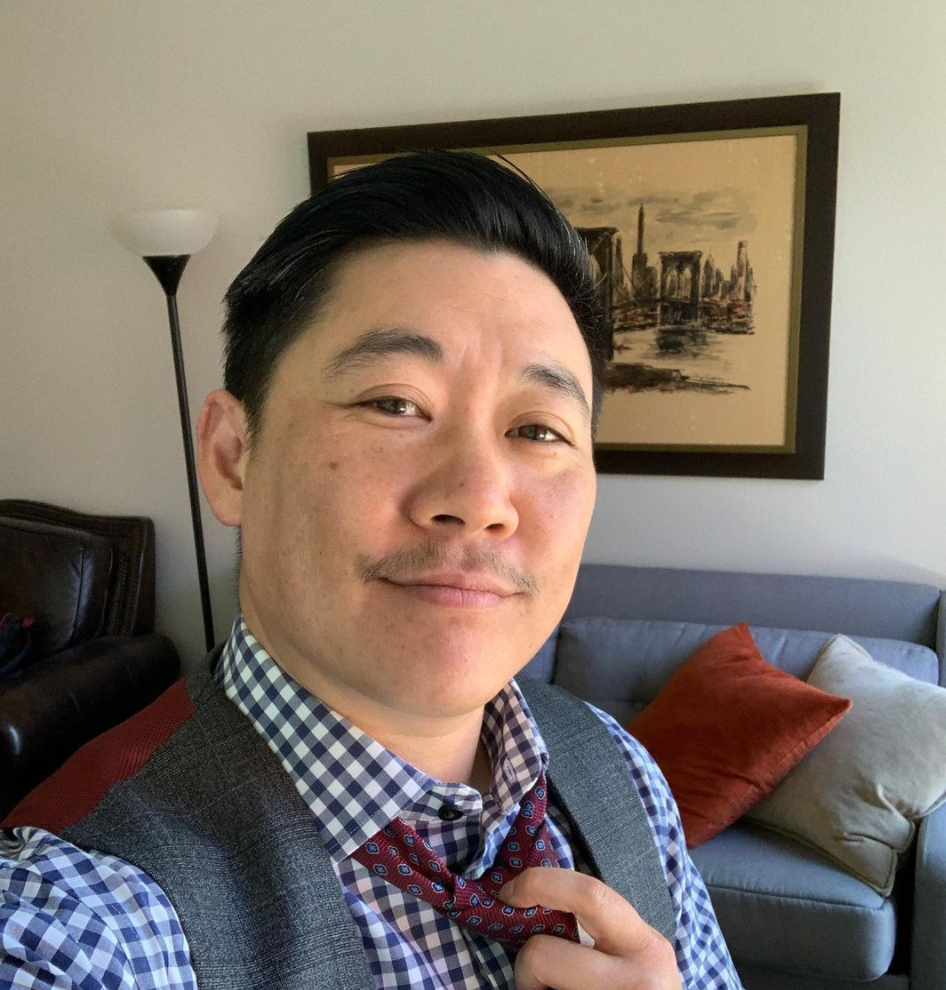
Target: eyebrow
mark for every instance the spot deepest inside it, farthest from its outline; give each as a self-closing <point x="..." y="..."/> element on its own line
<point x="380" y="343"/>
<point x="557" y="377"/>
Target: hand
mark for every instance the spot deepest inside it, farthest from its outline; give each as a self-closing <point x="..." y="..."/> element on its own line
<point x="628" y="954"/>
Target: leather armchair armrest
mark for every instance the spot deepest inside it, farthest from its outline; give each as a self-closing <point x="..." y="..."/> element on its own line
<point x="928" y="954"/>
<point x="57" y="704"/>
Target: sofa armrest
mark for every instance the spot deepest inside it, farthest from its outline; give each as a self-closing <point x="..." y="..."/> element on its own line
<point x="928" y="945"/>
<point x="57" y="704"/>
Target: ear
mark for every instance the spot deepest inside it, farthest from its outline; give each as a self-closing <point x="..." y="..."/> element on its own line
<point x="222" y="454"/>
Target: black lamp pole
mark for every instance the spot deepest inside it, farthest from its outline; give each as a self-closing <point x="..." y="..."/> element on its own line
<point x="168" y="270"/>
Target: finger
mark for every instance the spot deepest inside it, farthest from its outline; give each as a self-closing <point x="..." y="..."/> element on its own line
<point x="606" y="916"/>
<point x="546" y="961"/>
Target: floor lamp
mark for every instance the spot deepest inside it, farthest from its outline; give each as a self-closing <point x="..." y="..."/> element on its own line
<point x="166" y="239"/>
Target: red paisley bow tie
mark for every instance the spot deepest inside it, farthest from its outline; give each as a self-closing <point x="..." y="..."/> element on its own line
<point x="399" y="855"/>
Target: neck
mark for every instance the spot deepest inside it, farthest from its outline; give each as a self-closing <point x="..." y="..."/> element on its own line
<point x="450" y="750"/>
<point x="458" y="756"/>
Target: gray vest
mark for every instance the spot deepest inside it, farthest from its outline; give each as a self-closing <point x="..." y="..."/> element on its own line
<point x="215" y="819"/>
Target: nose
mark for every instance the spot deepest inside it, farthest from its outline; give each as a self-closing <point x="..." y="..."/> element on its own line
<point x="465" y="491"/>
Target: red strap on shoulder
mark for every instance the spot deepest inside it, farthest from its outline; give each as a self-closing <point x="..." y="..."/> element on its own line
<point x="81" y="783"/>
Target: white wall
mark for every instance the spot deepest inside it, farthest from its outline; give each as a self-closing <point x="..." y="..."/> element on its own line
<point x="108" y="106"/>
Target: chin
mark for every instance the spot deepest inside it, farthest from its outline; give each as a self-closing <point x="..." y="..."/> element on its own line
<point x="461" y="678"/>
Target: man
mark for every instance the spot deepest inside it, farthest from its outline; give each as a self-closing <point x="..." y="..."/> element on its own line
<point x="352" y="790"/>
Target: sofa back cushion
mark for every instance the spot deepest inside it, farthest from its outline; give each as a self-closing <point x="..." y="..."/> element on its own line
<point x="620" y="665"/>
<point x="58" y="575"/>
<point x="853" y="606"/>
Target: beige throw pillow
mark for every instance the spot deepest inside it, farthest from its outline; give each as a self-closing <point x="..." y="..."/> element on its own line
<point x="858" y="794"/>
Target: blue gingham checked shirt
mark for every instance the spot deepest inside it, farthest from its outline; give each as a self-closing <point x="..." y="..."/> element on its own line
<point x="71" y="918"/>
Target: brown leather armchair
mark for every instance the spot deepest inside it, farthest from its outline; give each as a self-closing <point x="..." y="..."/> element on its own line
<point x="89" y="580"/>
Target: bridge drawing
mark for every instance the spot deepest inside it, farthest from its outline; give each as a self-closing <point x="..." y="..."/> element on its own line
<point x="686" y="290"/>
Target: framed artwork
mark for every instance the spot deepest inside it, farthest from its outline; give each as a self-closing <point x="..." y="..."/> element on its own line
<point x="710" y="231"/>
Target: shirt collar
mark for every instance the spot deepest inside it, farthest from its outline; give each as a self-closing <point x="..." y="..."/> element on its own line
<point x="352" y="784"/>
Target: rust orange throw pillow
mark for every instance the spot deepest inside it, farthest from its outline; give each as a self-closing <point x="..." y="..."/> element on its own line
<point x="727" y="727"/>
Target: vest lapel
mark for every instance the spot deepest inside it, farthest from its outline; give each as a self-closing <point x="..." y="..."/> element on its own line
<point x="589" y="780"/>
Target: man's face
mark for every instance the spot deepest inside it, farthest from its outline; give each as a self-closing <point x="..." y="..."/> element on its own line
<point x="383" y="475"/>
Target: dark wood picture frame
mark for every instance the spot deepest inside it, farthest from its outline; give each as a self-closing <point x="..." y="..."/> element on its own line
<point x="817" y="117"/>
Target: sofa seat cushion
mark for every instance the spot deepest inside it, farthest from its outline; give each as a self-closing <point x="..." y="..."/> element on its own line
<point x="783" y="906"/>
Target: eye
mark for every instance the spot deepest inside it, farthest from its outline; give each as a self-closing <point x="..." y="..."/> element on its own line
<point x="392" y="405"/>
<point x="542" y="434"/>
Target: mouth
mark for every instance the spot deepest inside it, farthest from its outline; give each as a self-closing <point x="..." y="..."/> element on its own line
<point x="451" y="595"/>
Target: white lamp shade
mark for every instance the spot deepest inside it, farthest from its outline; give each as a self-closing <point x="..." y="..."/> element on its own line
<point x="165" y="232"/>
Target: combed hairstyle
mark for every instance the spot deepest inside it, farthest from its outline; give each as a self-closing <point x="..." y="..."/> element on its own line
<point x="462" y="197"/>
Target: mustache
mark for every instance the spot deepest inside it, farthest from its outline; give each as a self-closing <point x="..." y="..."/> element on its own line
<point x="429" y="556"/>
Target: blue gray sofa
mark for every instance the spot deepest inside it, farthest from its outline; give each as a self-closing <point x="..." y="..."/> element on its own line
<point x="792" y="919"/>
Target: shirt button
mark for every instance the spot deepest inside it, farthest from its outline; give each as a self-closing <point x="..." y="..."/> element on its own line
<point x="449" y="813"/>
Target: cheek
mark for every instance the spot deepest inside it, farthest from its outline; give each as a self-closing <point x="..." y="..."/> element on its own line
<point x="293" y="501"/>
<point x="342" y="494"/>
<point x="559" y="514"/>
<point x="359" y="480"/>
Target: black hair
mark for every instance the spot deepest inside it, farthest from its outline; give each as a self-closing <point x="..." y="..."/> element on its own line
<point x="462" y="197"/>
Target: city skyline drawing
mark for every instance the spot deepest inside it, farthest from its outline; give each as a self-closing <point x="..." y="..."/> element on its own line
<point x="692" y="245"/>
